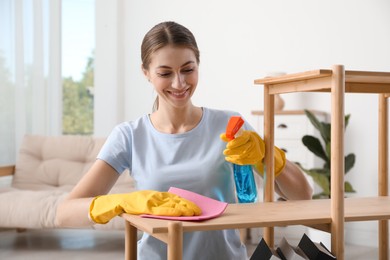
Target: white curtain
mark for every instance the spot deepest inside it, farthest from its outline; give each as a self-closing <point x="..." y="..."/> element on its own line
<point x="110" y="60"/>
<point x="30" y="72"/>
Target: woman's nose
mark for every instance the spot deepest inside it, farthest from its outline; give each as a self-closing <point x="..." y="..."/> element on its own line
<point x="178" y="81"/>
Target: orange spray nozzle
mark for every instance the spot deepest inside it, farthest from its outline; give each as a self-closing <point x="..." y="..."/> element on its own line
<point x="234" y="124"/>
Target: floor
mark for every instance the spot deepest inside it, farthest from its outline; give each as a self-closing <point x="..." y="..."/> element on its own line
<point x="94" y="244"/>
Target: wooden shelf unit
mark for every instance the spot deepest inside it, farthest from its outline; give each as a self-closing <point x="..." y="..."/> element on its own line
<point x="315" y="213"/>
<point x="327" y="214"/>
<point x="281" y="213"/>
<point x="337" y="81"/>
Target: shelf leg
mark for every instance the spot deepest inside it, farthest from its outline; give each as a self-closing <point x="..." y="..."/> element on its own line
<point x="130" y="241"/>
<point x="175" y="240"/>
<point x="269" y="175"/>
<point x="383" y="225"/>
<point x="383" y="229"/>
<point x="337" y="159"/>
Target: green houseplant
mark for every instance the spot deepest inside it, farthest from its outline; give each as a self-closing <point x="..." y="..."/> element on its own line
<point x="321" y="176"/>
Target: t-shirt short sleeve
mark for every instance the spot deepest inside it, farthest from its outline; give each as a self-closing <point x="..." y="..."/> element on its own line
<point x="116" y="151"/>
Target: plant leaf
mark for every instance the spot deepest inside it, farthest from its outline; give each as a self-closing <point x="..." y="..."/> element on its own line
<point x="321" y="178"/>
<point x="314" y="121"/>
<point x="349" y="162"/>
<point x="322" y="171"/>
<point x="314" y="145"/>
<point x="322" y="127"/>
<point x="327" y="150"/>
<point x="325" y="132"/>
<point x="348" y="187"/>
<point x="346" y="120"/>
<point x="321" y="195"/>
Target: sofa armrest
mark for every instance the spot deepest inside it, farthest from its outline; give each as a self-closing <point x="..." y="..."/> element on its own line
<point x="7" y="170"/>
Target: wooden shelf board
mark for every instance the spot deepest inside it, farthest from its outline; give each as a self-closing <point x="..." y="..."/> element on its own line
<point x="371" y="77"/>
<point x="268" y="214"/>
<point x="320" y="81"/>
<point x="367" y="88"/>
<point x="367" y="208"/>
<point x="294" y="77"/>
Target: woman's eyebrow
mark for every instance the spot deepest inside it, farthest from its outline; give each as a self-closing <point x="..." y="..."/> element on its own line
<point x="167" y="67"/>
<point x="188" y="62"/>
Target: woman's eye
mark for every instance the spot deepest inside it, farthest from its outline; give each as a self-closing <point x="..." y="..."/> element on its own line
<point x="164" y="75"/>
<point x="188" y="70"/>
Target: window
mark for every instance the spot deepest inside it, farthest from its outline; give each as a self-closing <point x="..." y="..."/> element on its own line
<point x="7" y="83"/>
<point x="32" y="98"/>
<point x="78" y="43"/>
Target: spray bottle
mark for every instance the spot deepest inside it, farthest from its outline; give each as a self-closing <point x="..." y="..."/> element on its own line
<point x="243" y="175"/>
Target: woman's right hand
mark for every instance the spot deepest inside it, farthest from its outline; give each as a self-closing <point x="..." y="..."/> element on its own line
<point x="104" y="208"/>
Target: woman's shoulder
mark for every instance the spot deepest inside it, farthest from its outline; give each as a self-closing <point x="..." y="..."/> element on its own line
<point x="220" y="117"/>
<point x="221" y="114"/>
<point x="133" y="125"/>
<point x="217" y="118"/>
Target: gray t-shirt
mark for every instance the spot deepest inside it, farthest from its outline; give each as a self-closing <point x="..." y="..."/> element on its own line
<point x="193" y="161"/>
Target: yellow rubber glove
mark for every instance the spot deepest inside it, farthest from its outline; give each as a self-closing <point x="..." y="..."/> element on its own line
<point x="249" y="149"/>
<point x="104" y="208"/>
<point x="246" y="149"/>
<point x="279" y="162"/>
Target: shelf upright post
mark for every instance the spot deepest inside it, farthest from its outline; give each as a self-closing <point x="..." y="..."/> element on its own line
<point x="269" y="176"/>
<point x="175" y="240"/>
<point x="383" y="189"/>
<point x="337" y="160"/>
<point x="130" y="241"/>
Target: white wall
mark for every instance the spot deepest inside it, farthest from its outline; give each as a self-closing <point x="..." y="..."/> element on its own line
<point x="244" y="40"/>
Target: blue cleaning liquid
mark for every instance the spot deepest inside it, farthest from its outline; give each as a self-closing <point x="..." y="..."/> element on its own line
<point x="245" y="183"/>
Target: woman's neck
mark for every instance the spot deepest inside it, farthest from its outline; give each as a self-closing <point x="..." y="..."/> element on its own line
<point x="175" y="121"/>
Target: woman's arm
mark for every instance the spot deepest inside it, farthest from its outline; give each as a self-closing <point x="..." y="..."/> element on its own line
<point x="73" y="211"/>
<point x="292" y="184"/>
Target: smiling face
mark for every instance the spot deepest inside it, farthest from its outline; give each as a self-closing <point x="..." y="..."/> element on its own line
<point x="173" y="71"/>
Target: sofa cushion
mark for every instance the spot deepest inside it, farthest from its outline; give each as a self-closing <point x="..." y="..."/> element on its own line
<point x="57" y="162"/>
<point x="46" y="170"/>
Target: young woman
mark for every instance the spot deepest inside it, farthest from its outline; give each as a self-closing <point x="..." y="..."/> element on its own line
<point x="177" y="145"/>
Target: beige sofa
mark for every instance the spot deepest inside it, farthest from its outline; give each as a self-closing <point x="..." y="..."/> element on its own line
<point x="46" y="170"/>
